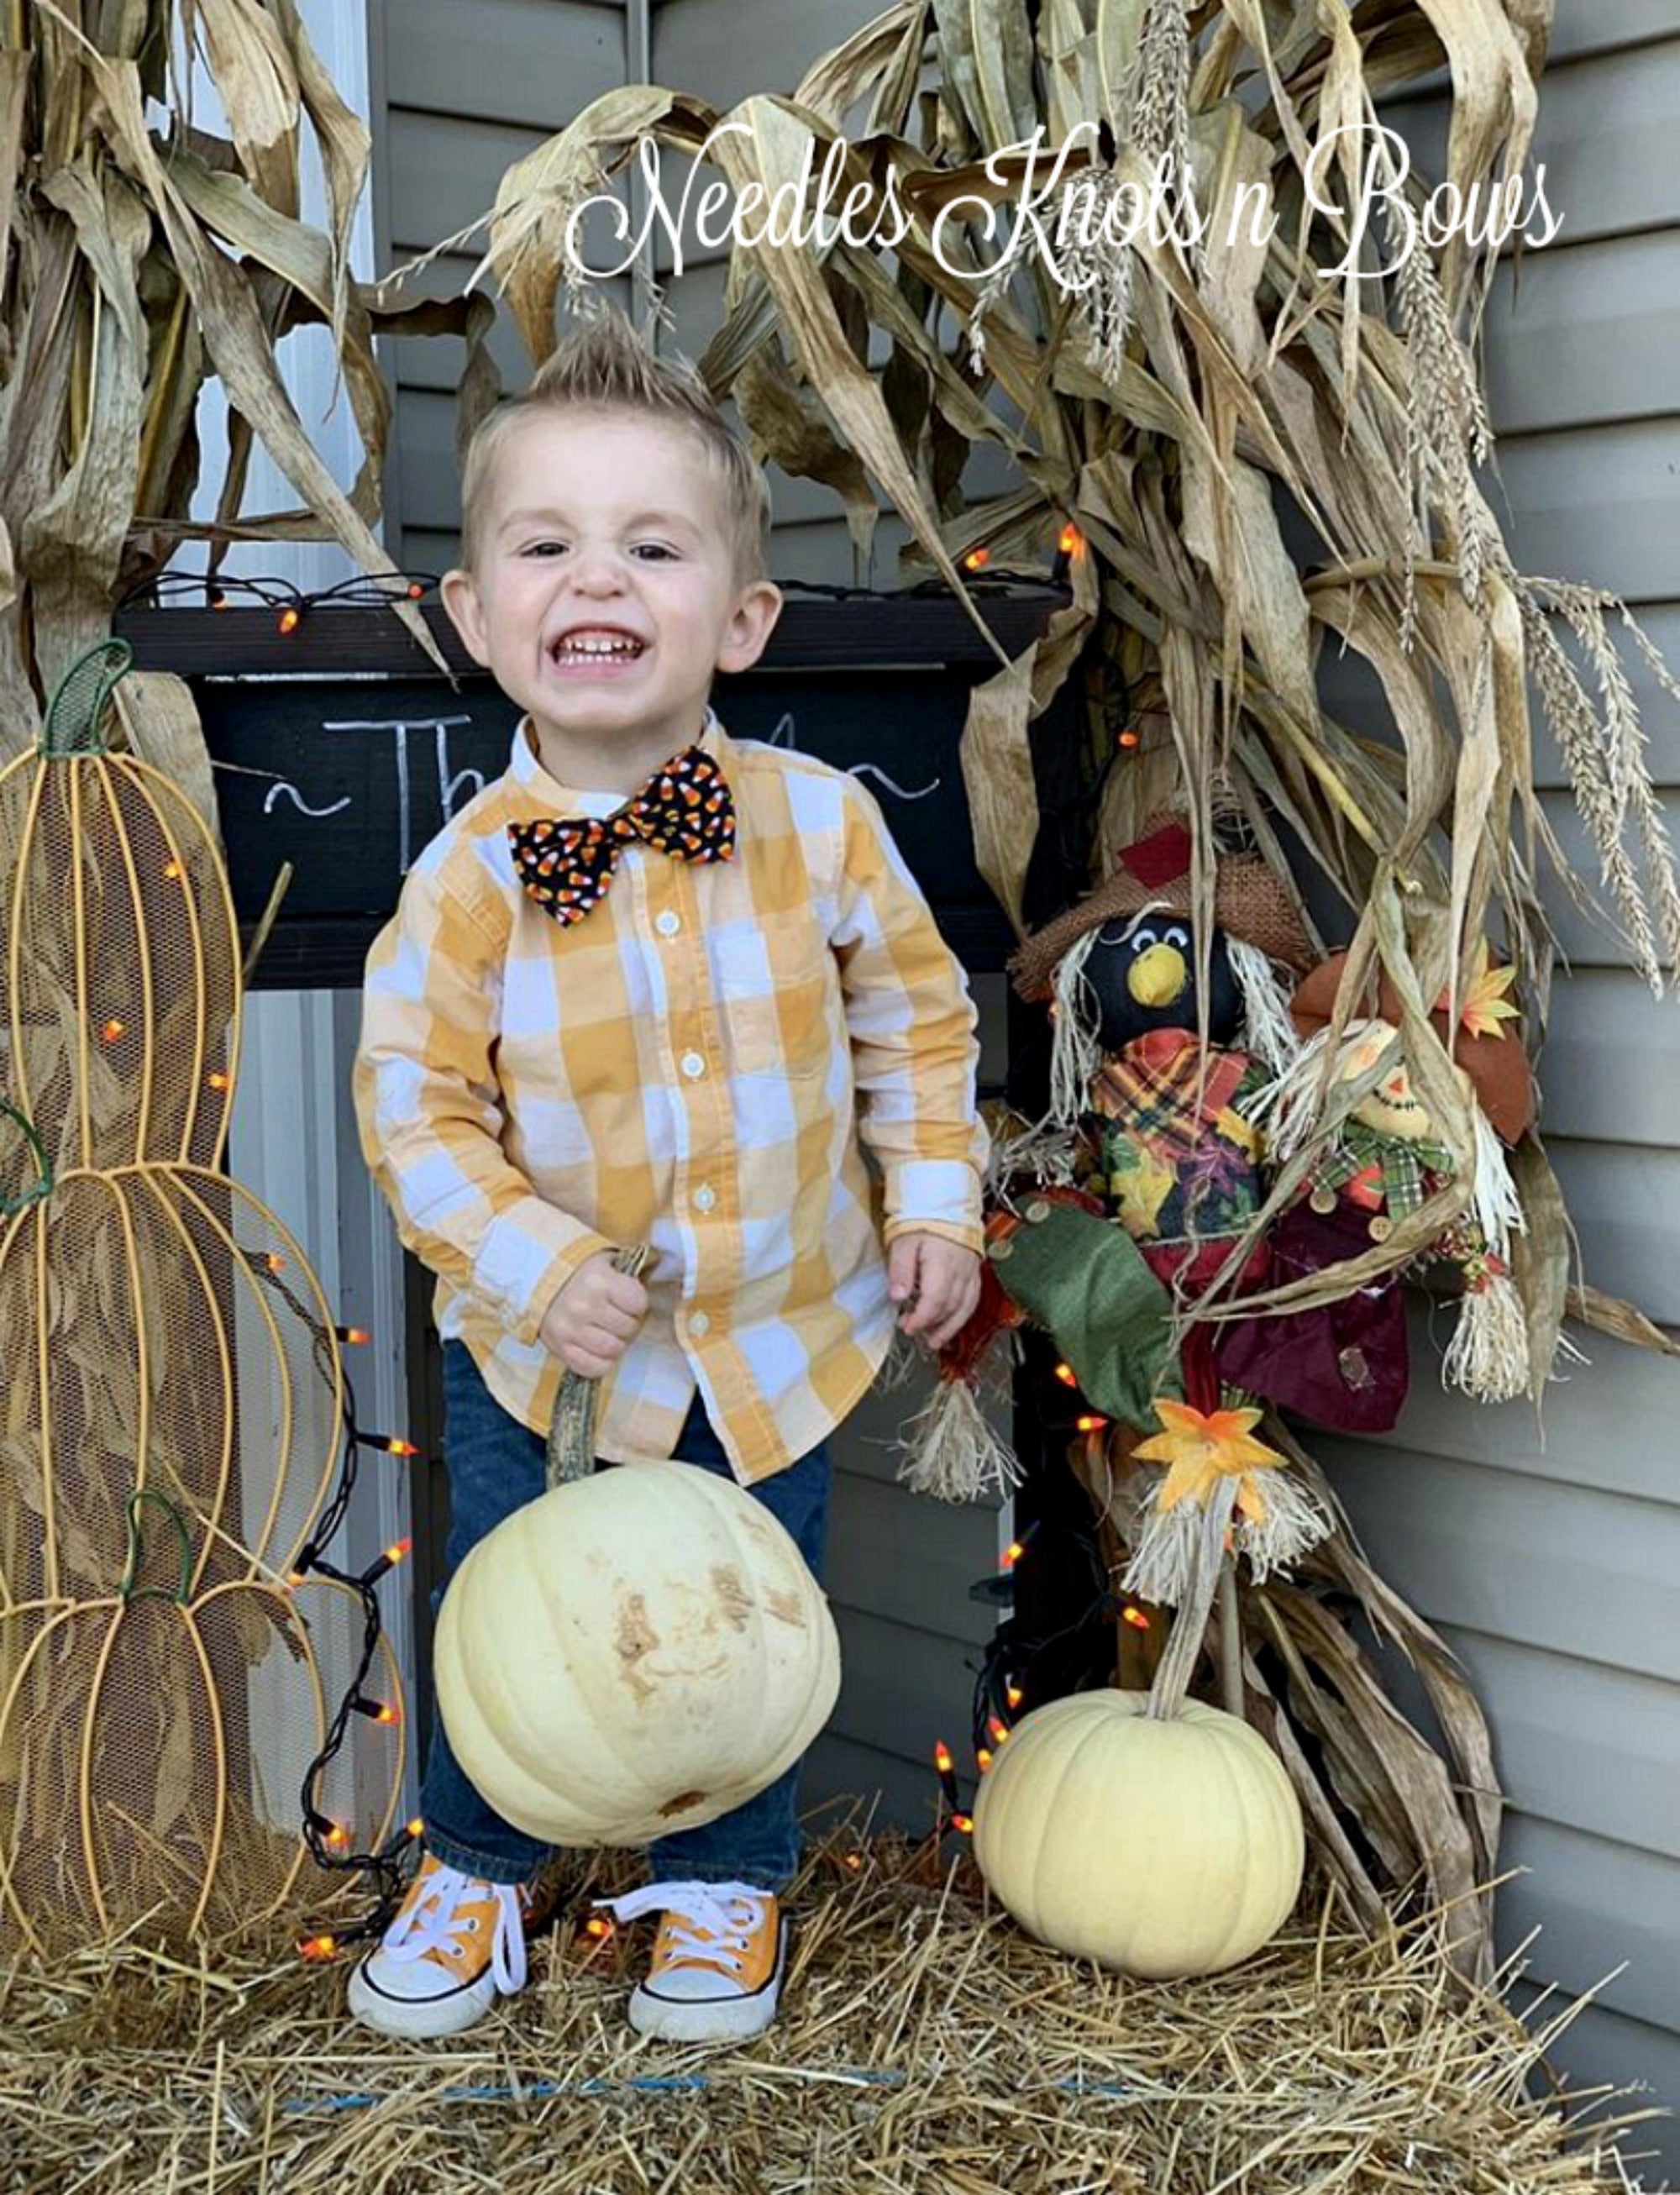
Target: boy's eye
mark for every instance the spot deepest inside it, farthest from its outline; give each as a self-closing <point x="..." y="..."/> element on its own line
<point x="655" y="548"/>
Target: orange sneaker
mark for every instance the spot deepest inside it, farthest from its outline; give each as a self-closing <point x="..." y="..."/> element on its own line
<point x="718" y="1960"/>
<point x="457" y="1944"/>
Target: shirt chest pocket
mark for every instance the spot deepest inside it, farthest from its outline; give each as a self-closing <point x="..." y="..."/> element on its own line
<point x="775" y="988"/>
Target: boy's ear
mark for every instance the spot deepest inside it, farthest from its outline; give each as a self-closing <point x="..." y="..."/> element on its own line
<point x="466" y="612"/>
<point x="754" y="620"/>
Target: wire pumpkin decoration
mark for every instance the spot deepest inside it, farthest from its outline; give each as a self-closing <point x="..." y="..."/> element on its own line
<point x="170" y="1427"/>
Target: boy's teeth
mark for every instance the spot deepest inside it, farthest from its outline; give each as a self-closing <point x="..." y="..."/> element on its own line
<point x="598" y="648"/>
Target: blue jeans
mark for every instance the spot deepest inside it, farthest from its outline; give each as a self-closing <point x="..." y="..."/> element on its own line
<point x="496" y="1465"/>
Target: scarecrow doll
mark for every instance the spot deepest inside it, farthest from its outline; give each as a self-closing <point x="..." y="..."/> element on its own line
<point x="1345" y="1364"/>
<point x="1168" y="1120"/>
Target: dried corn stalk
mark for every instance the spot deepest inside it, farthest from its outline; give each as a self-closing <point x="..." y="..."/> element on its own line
<point x="139" y="261"/>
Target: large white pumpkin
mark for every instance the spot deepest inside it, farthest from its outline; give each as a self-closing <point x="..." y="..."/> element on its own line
<point x="1157" y="1848"/>
<point x="634" y="1653"/>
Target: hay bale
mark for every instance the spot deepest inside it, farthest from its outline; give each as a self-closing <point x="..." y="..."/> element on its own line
<point x="927" y="2048"/>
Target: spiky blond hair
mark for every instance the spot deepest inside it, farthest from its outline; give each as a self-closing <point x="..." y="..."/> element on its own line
<point x="603" y="364"/>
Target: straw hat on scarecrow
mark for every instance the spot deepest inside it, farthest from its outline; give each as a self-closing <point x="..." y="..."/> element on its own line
<point x="1113" y="978"/>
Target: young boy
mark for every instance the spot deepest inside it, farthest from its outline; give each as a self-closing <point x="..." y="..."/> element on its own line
<point x="654" y="985"/>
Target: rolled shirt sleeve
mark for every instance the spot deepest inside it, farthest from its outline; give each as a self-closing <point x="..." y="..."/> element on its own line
<point x="429" y="1120"/>
<point x="912" y="1025"/>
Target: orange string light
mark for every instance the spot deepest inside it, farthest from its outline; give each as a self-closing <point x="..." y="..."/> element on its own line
<point x="1014" y="1696"/>
<point x="1070" y="540"/>
<point x="398" y="1549"/>
<point x="963" y="1824"/>
<point x="1137" y="1618"/>
<point x="984" y="1757"/>
<point x="1091" y="1424"/>
<point x="318" y="1947"/>
<point x="942" y="1758"/>
<point x="1068" y="1375"/>
<point x="1012" y="1555"/>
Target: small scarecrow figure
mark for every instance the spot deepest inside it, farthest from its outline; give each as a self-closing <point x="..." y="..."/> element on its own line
<point x="1177" y="1147"/>
<point x="1345" y="1364"/>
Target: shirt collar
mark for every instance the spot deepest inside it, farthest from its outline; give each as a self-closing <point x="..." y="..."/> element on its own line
<point x="525" y="769"/>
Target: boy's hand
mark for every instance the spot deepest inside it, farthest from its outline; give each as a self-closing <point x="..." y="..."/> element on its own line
<point x="593" y="1317"/>
<point x="938" y="1280"/>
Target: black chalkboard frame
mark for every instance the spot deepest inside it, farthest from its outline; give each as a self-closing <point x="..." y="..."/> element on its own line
<point x="264" y="694"/>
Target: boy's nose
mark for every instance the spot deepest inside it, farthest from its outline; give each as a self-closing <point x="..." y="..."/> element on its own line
<point x="597" y="567"/>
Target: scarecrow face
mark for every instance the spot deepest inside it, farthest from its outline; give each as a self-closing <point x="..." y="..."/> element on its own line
<point x="1392" y="1108"/>
<point x="1142" y="973"/>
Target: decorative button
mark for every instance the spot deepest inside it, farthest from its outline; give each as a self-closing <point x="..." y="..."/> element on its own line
<point x="692" y="1065"/>
<point x="668" y="923"/>
<point x="704" y="1197"/>
<point x="1036" y="1210"/>
<point x="1323" y="1201"/>
<point x="998" y="1251"/>
<point x="1381" y="1227"/>
<point x="699" y="1324"/>
<point x="1355" y="1371"/>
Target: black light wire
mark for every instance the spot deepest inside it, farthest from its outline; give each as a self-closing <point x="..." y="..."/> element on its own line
<point x="389" y="1865"/>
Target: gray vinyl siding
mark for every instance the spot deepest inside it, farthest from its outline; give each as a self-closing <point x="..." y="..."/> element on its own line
<point x="1548" y="1556"/>
<point x="462" y="89"/>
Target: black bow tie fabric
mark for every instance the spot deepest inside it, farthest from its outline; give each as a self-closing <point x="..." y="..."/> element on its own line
<point x="685" y="809"/>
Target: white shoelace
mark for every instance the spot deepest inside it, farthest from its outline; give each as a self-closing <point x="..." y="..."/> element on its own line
<point x="435" y="1923"/>
<point x="727" y="1912"/>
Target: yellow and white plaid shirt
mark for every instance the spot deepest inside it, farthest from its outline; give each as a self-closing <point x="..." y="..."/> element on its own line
<point x="693" y="1066"/>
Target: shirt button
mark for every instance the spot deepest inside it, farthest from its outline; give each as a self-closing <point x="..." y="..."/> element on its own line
<point x="692" y="1065"/>
<point x="668" y="923"/>
<point x="704" y="1197"/>
<point x="699" y="1324"/>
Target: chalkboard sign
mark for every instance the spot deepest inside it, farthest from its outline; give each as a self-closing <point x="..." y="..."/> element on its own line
<point x="348" y="778"/>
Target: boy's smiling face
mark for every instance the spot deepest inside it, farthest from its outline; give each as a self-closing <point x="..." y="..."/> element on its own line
<point x="603" y="595"/>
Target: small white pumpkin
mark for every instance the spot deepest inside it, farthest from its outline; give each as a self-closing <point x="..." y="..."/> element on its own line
<point x="635" y="1652"/>
<point x="1158" y="1848"/>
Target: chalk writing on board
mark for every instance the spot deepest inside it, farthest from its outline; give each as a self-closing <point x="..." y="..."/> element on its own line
<point x="285" y="785"/>
<point x="455" y="786"/>
<point x="783" y="736"/>
<point x="401" y="727"/>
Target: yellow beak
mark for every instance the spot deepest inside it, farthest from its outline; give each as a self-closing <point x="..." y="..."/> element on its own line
<point x="1158" y="976"/>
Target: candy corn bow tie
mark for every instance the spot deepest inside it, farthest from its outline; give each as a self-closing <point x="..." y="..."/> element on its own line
<point x="685" y="809"/>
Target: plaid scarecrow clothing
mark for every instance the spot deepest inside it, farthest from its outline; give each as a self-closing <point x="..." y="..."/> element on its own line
<point x="1381" y="1173"/>
<point x="1175" y="1164"/>
<point x="697" y="1064"/>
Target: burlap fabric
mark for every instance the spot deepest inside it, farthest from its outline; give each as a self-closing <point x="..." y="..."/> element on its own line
<point x="1251" y="902"/>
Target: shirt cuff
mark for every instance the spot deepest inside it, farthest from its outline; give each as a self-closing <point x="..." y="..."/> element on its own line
<point x="969" y="1238"/>
<point x="933" y="1196"/>
<point x="529" y="1252"/>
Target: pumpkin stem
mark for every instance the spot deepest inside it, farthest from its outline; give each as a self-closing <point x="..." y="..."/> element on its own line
<point x="42" y="1186"/>
<point x="571" y="1450"/>
<point x="76" y="712"/>
<point x="1189" y="1623"/>
<point x="131" y="1589"/>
